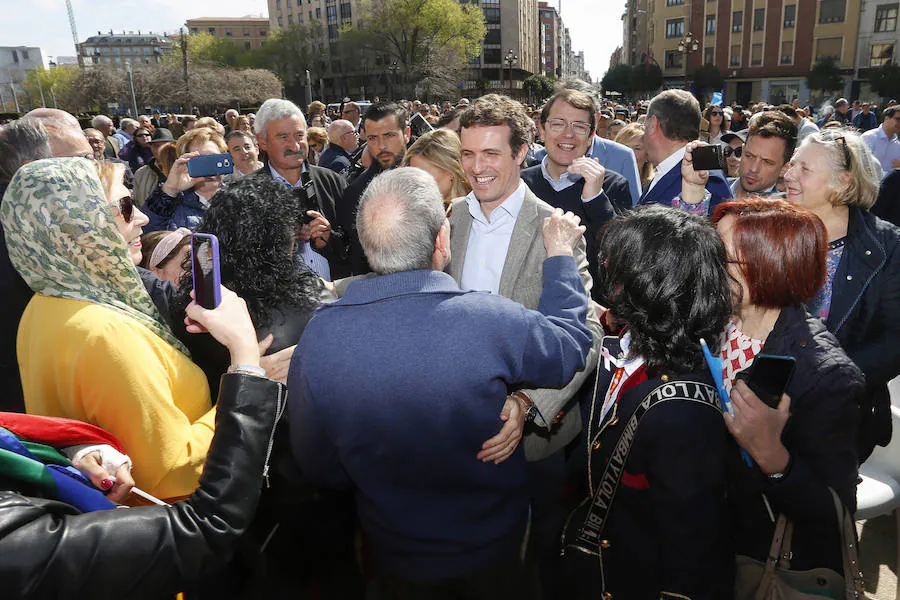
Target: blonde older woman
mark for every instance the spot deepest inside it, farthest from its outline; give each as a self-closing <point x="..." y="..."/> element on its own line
<point x="632" y="135"/>
<point x="438" y="153"/>
<point x="834" y="175"/>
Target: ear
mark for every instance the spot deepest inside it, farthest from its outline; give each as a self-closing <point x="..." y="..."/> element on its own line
<point x="406" y="134"/>
<point x="262" y="143"/>
<point x="521" y="154"/>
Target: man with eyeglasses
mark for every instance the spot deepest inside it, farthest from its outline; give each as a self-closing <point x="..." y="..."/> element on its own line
<point x="343" y="140"/>
<point x="350" y="112"/>
<point x="770" y="144"/>
<point x="568" y="179"/>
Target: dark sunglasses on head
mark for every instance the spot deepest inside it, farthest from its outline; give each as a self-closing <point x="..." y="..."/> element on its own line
<point x="842" y="142"/>
<point x="126" y="208"/>
<point x="736" y="151"/>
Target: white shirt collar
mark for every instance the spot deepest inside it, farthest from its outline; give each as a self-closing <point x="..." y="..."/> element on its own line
<point x="512" y="205"/>
<point x="883" y="134"/>
<point x="565" y="180"/>
<point x="667" y="164"/>
<point x="280" y="178"/>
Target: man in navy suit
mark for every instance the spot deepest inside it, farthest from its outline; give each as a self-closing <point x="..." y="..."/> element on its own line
<point x="673" y="121"/>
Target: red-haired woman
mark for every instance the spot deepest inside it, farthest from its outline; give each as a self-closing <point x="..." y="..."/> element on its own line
<point x="776" y="258"/>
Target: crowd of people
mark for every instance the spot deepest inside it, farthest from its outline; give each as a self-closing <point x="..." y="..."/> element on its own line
<point x="461" y="351"/>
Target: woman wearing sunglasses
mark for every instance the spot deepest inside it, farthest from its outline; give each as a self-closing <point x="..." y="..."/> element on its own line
<point x="92" y="345"/>
<point x="138" y="152"/>
<point x="734" y="148"/>
<point x="834" y="175"/>
<point x="716" y="118"/>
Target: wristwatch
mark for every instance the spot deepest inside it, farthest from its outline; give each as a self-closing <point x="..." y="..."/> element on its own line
<point x="526" y="404"/>
<point x="774" y="477"/>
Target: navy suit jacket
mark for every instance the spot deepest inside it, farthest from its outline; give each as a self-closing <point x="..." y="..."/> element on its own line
<point x="670" y="186"/>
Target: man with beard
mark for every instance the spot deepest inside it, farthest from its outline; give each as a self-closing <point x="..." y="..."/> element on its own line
<point x="387" y="133"/>
<point x="280" y="129"/>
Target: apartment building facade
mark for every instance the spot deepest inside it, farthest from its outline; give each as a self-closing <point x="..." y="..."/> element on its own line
<point x="247" y="32"/>
<point x="127" y="48"/>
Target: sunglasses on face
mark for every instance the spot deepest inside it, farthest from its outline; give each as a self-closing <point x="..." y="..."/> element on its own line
<point x="716" y="113"/>
<point x="735" y="151"/>
<point x="125" y="208"/>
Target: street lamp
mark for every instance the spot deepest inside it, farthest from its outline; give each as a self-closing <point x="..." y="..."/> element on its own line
<point x="392" y="68"/>
<point x="511" y="58"/>
<point x="687" y="46"/>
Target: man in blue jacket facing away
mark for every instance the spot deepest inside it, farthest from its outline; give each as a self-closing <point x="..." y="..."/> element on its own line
<point x="394" y="387"/>
<point x="673" y="121"/>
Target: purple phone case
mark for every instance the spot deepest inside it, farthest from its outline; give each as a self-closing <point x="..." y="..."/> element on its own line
<point x="199" y="294"/>
<point x="210" y="165"/>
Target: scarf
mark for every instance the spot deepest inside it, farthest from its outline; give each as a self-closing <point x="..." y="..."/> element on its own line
<point x="64" y="242"/>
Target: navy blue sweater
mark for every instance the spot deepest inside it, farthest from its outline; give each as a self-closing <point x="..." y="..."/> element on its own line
<point x="394" y="388"/>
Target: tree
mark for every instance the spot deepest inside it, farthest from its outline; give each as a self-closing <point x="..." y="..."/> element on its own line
<point x="885" y="80"/>
<point x="539" y="87"/>
<point x="708" y="77"/>
<point x="646" y="78"/>
<point x="825" y="75"/>
<point x="430" y="40"/>
<point x="290" y="52"/>
<point x="618" y="79"/>
<point x="54" y="82"/>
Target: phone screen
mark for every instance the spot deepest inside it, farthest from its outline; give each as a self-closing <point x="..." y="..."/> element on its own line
<point x="708" y="158"/>
<point x="205" y="259"/>
<point x="770" y="376"/>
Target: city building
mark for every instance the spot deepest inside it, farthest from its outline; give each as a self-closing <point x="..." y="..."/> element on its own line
<point x="765" y="49"/>
<point x="879" y="38"/>
<point x="125" y="48"/>
<point x="635" y="32"/>
<point x="15" y="62"/>
<point x="248" y="32"/>
<point x="551" y="40"/>
<point x="565" y="65"/>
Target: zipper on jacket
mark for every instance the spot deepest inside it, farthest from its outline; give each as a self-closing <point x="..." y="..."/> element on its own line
<point x="281" y="404"/>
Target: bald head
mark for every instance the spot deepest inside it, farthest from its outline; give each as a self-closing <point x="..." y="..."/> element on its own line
<point x="342" y="133"/>
<point x="64" y="132"/>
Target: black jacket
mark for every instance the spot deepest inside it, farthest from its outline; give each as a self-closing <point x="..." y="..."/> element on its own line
<point x="820" y="436"/>
<point x="48" y="550"/>
<point x="347" y="214"/>
<point x="865" y="305"/>
<point x="329" y="188"/>
<point x="888" y="205"/>
<point x="667" y="527"/>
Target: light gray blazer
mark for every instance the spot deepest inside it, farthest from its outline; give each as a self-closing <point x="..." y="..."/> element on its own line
<point x="521" y="280"/>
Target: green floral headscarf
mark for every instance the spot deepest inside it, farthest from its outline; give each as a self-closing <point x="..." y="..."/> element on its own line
<point x="63" y="240"/>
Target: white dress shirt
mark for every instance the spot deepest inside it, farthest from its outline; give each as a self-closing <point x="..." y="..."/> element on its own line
<point x="566" y="180"/>
<point x="885" y="149"/>
<point x="489" y="241"/>
<point x="669" y="163"/>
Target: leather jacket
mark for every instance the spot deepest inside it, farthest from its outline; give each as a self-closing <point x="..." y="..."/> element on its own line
<point x="49" y="550"/>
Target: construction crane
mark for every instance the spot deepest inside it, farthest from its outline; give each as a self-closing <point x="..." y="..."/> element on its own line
<point x="72" y="24"/>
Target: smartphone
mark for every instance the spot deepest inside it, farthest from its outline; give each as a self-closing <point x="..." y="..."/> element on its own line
<point x="205" y="270"/>
<point x="709" y="158"/>
<point x="210" y="165"/>
<point x="769" y="377"/>
<point x="419" y="126"/>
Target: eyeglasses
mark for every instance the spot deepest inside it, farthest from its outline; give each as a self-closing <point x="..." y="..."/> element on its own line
<point x="716" y="113"/>
<point x="842" y="142"/>
<point x="736" y="151"/>
<point x="560" y="125"/>
<point x="125" y="208"/>
<point x="141" y="135"/>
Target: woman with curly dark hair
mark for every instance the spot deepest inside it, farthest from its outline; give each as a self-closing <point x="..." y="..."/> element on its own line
<point x="654" y="525"/>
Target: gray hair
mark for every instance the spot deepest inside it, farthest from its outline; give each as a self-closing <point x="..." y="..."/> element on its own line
<point x="865" y="170"/>
<point x="99" y="121"/>
<point x="128" y="123"/>
<point x="399" y="217"/>
<point x="22" y="141"/>
<point x="274" y="109"/>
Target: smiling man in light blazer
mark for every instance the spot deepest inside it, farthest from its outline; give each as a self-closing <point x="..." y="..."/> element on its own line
<point x="495" y="242"/>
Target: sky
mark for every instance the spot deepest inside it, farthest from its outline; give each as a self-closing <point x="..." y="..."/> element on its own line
<point x="594" y="25"/>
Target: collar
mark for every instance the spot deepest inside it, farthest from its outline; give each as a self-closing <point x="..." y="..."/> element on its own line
<point x="669" y="162"/>
<point x="512" y="205"/>
<point x="565" y="180"/>
<point x="373" y="289"/>
<point x="736" y="185"/>
<point x="278" y="177"/>
<point x="883" y="134"/>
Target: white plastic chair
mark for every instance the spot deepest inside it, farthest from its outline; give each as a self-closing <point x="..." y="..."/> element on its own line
<point x="879" y="491"/>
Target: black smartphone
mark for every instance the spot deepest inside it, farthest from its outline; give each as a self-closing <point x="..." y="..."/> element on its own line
<point x="205" y="270"/>
<point x="210" y="165"/>
<point x="769" y="377"/>
<point x="419" y="126"/>
<point x="709" y="158"/>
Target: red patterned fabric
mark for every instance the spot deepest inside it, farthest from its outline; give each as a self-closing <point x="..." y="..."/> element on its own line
<point x="57" y="431"/>
<point x="738" y="352"/>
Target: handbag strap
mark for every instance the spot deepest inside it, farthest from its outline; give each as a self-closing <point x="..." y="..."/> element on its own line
<point x="852" y="575"/>
<point x="773" y="560"/>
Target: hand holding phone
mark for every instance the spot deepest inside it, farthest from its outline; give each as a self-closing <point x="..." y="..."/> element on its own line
<point x="205" y="270"/>
<point x="709" y="158"/>
<point x="210" y="165"/>
<point x="769" y="377"/>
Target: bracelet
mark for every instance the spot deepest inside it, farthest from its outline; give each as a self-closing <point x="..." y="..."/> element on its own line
<point x="253" y="370"/>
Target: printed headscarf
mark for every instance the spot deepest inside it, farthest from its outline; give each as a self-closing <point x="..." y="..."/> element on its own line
<point x="63" y="240"/>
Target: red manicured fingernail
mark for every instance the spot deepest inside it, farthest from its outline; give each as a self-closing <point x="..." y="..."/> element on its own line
<point x="106" y="484"/>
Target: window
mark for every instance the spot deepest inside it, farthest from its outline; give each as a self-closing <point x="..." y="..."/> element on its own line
<point x="759" y="19"/>
<point x="709" y="56"/>
<point x="15" y="56"/>
<point x="318" y="12"/>
<point x="882" y="54"/>
<point x="491" y="15"/>
<point x="146" y="50"/>
<point x="332" y="32"/>
<point x="24" y="54"/>
<point x="262" y="32"/>
<point x="492" y="37"/>
<point x="280" y="22"/>
<point x="710" y="24"/>
<point x="278" y="4"/>
<point x="492" y="56"/>
<point x="194" y="30"/>
<point x="227" y="32"/>
<point x="831" y="11"/>
<point x="787" y="53"/>
<point x="737" y="21"/>
<point x="674" y="59"/>
<point x="735" y="60"/>
<point x="674" y="2"/>
<point x="290" y="20"/>
<point x="756" y="54"/>
<point x="246" y="45"/>
<point x="246" y="31"/>
<point x="124" y="51"/>
<point x="310" y="16"/>
<point x="790" y="15"/>
<point x="829" y="47"/>
<point x="331" y="11"/>
<point x="886" y="18"/>
<point x="345" y="11"/>
<point x="674" y="28"/>
<point x="212" y="31"/>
